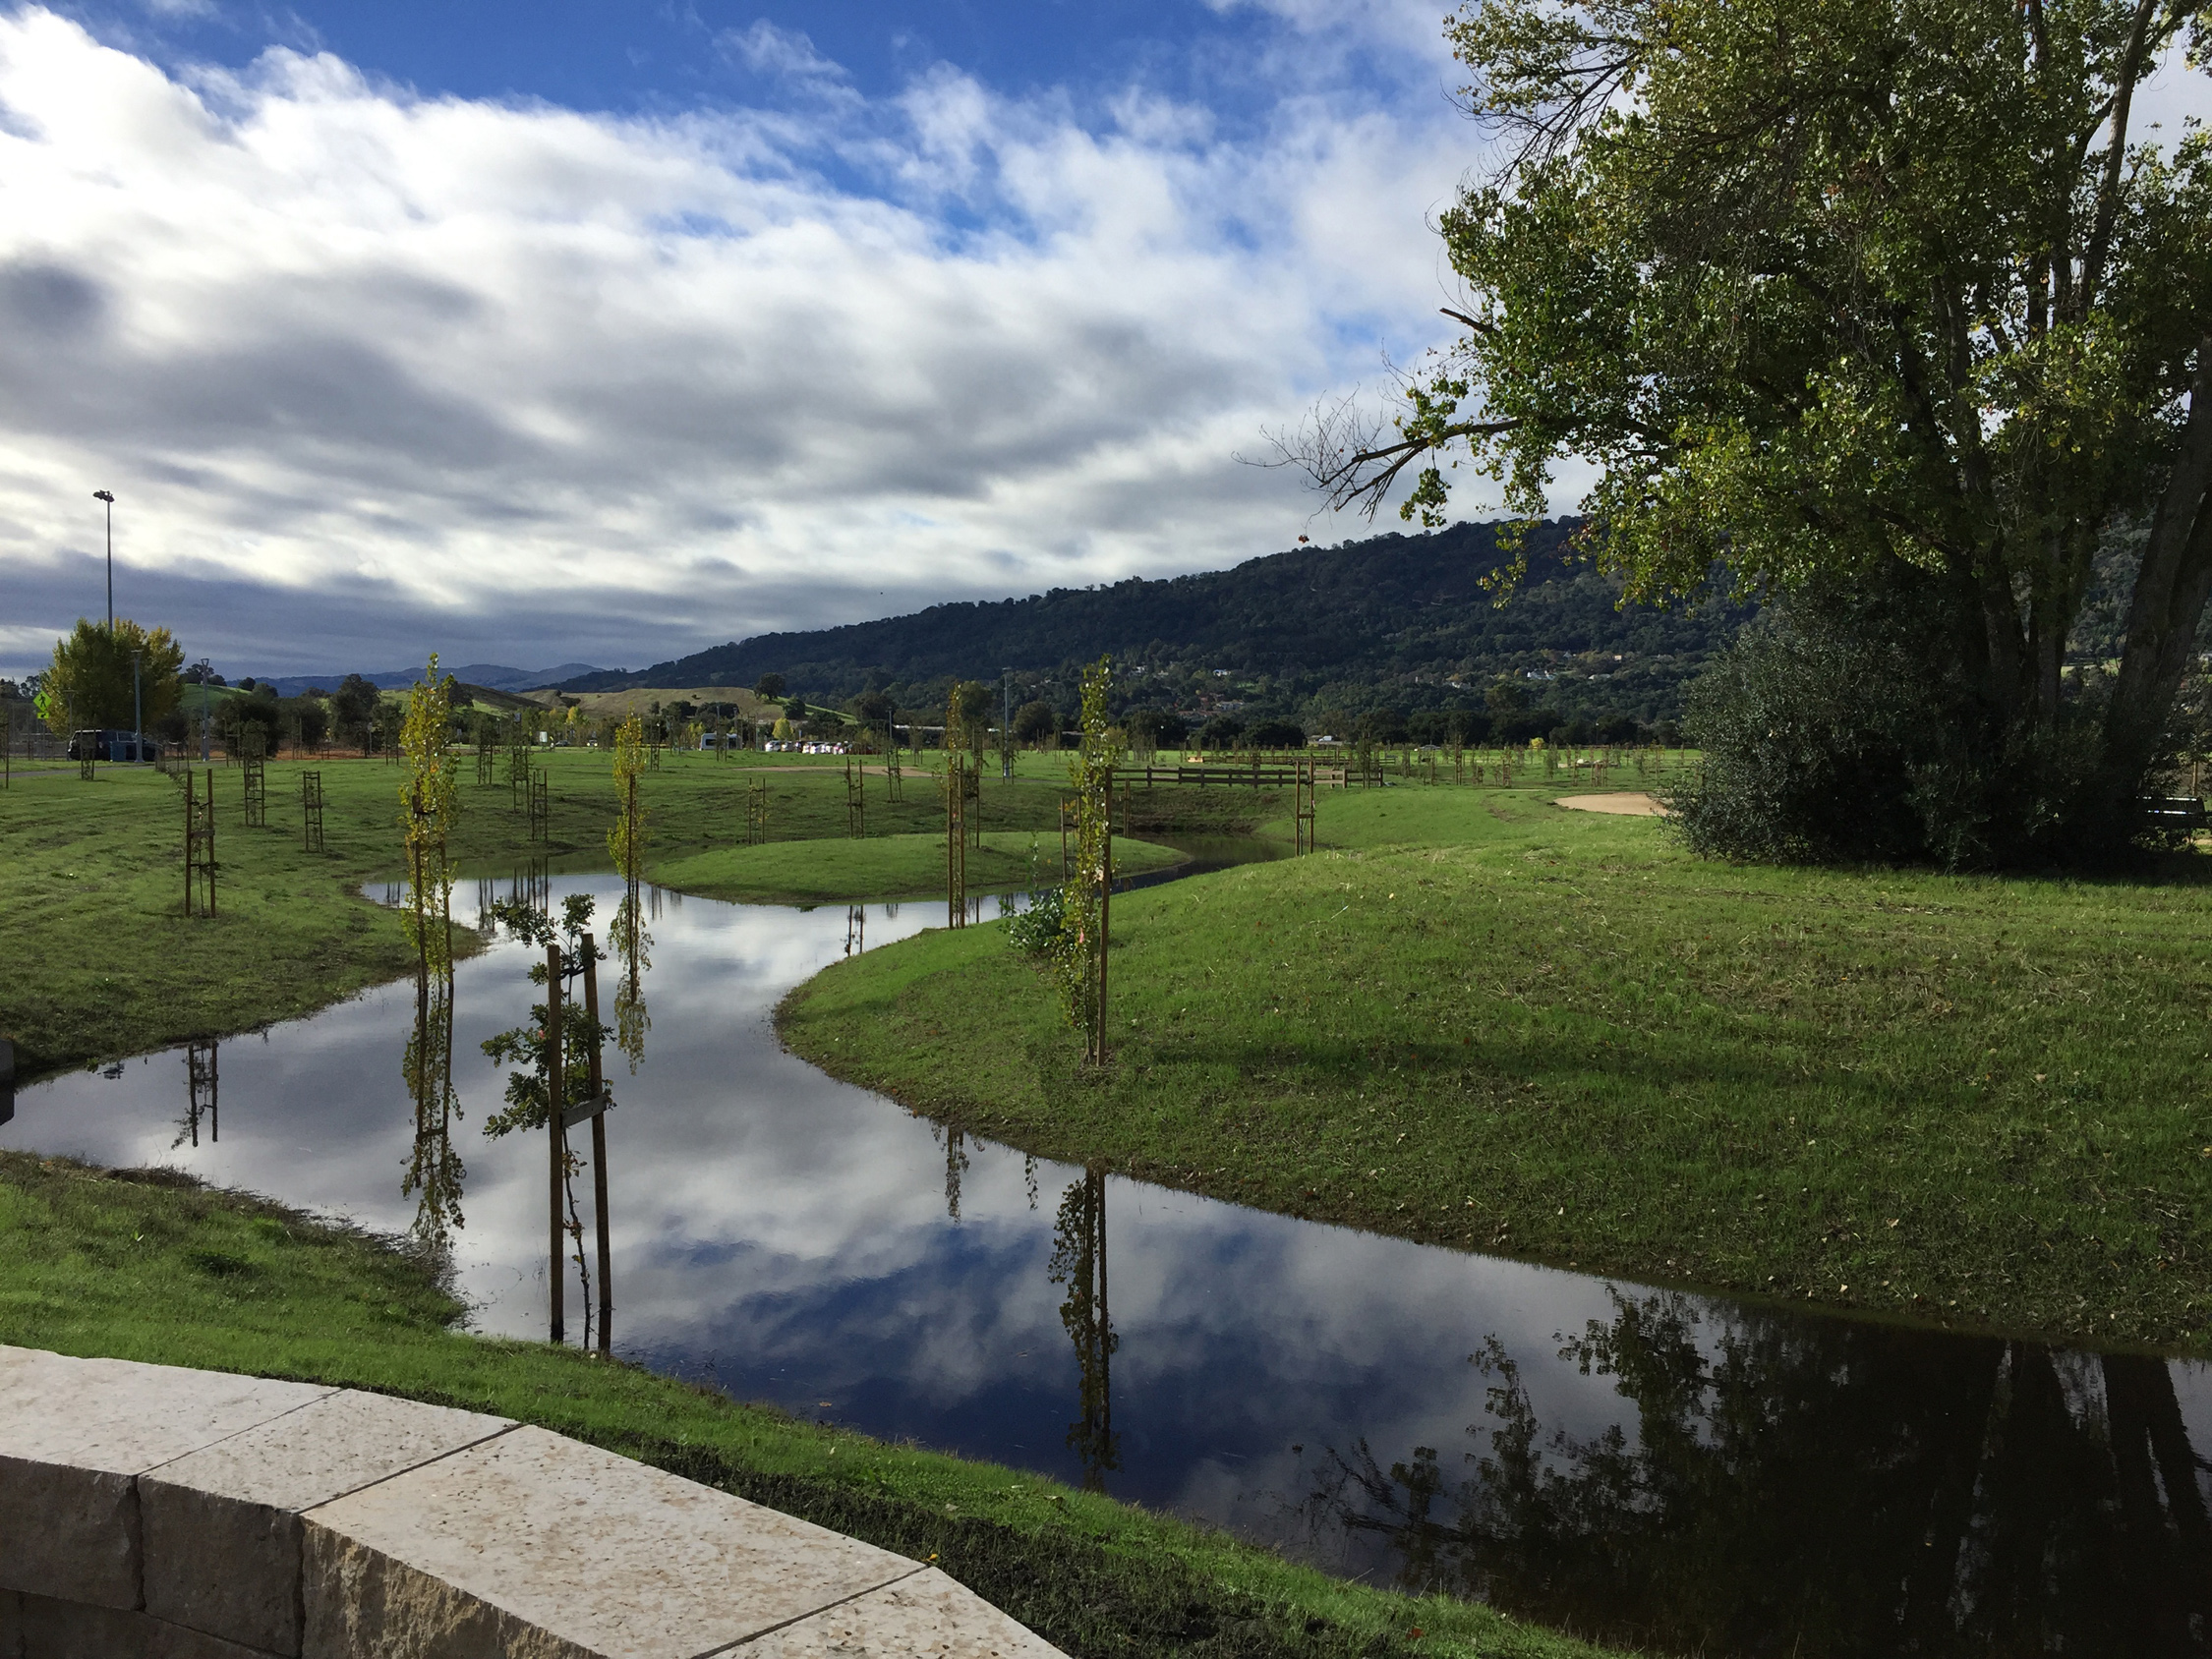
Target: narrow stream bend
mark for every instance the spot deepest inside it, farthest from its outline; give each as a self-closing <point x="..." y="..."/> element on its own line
<point x="1642" y="1466"/>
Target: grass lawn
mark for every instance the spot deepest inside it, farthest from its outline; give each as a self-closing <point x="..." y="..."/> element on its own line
<point x="1478" y="1020"/>
<point x="151" y="1270"/>
<point x="882" y="867"/>
<point x="106" y="965"/>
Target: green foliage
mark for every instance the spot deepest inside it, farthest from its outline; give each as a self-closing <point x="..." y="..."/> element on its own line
<point x="90" y="677"/>
<point x="1389" y="618"/>
<point x="1036" y="723"/>
<point x="1838" y="730"/>
<point x="1079" y="953"/>
<point x="430" y="800"/>
<point x="1830" y="292"/>
<point x="627" y="841"/>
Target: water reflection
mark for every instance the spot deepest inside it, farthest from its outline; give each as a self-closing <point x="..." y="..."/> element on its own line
<point x="633" y="945"/>
<point x="1855" y="1487"/>
<point x="435" y="1171"/>
<point x="202" y="1080"/>
<point x="1079" y="1261"/>
<point x="1705" y="1474"/>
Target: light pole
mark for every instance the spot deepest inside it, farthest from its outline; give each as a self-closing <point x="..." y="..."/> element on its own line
<point x="1005" y="722"/>
<point x="109" y="497"/>
<point x="138" y="709"/>
<point x="205" y="668"/>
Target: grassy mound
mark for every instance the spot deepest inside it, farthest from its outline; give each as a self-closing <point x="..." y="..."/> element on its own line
<point x="1476" y="1019"/>
<point x="881" y="867"/>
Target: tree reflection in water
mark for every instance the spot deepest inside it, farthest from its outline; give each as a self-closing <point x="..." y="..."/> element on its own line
<point x="1079" y="1261"/>
<point x="634" y="944"/>
<point x="1817" y="1487"/>
<point x="435" y="1170"/>
<point x="203" y="1083"/>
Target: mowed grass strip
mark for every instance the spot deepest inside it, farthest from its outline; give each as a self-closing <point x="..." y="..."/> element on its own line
<point x="153" y="1269"/>
<point x="883" y="867"/>
<point x="1480" y="1021"/>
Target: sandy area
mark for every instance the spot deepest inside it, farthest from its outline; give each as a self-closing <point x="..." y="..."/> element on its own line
<point x="1633" y="803"/>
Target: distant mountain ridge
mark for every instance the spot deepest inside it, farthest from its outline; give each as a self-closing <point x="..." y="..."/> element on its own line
<point x="488" y="674"/>
<point x="1390" y="621"/>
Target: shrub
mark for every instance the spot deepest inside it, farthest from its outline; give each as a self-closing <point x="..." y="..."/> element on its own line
<point x="1844" y="728"/>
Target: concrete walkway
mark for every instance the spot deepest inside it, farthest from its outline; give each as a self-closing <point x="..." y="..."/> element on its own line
<point x="149" y="1511"/>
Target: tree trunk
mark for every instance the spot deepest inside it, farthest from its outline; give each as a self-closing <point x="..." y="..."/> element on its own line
<point x="2171" y="588"/>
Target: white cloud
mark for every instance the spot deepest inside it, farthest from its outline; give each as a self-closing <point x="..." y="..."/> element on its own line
<point x="619" y="387"/>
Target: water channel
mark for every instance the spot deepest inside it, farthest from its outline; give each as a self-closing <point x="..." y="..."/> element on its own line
<point x="1646" y="1465"/>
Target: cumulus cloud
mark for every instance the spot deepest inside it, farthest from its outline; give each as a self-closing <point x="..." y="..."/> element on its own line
<point x="369" y="367"/>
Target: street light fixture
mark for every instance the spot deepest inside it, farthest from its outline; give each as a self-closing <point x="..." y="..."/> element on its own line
<point x="109" y="497"/>
<point x="1006" y="719"/>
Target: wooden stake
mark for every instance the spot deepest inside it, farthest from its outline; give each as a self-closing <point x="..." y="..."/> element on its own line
<point x="599" y="1154"/>
<point x="556" y="1270"/>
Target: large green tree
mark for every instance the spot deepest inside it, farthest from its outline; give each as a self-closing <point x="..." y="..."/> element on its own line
<point x="90" y="676"/>
<point x="1833" y="289"/>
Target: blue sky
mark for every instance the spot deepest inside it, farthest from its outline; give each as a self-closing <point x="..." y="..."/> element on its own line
<point x="608" y="332"/>
<point x="605" y="332"/>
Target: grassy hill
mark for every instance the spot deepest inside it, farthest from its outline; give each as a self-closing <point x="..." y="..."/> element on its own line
<point x="1393" y="621"/>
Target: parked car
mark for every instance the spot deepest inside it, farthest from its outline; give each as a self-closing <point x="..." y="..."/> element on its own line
<point x="108" y="745"/>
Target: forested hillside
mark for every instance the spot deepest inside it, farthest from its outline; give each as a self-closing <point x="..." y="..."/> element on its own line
<point x="1322" y="634"/>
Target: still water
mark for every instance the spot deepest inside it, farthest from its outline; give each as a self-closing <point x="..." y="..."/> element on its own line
<point x="1684" y="1471"/>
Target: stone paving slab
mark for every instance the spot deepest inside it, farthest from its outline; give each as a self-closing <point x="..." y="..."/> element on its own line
<point x="927" y="1616"/>
<point x="221" y="1525"/>
<point x="620" y="1559"/>
<point x="75" y="1434"/>
<point x="157" y="1513"/>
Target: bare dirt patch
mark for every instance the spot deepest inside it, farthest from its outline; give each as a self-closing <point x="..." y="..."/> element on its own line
<point x="1628" y="802"/>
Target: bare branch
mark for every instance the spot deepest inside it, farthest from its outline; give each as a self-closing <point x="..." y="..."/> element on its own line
<point x="1347" y="452"/>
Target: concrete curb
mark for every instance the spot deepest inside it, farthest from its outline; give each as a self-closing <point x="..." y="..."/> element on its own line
<point x="149" y="1512"/>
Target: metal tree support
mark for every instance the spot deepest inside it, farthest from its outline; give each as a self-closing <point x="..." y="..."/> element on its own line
<point x="255" y="779"/>
<point x="956" y="839"/>
<point x="311" y="811"/>
<point x="756" y="812"/>
<point x="892" y="787"/>
<point x="484" y="761"/>
<point x="855" y="798"/>
<point x="200" y="845"/>
<point x="557" y="1263"/>
<point x="519" y="776"/>
<point x="1303" y="803"/>
<point x="541" y="808"/>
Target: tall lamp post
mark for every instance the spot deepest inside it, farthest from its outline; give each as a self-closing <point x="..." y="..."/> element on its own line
<point x="138" y="709"/>
<point x="1005" y="722"/>
<point x="109" y="497"/>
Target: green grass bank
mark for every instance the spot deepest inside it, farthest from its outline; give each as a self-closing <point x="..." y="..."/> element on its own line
<point x="149" y="1267"/>
<point x="1478" y="1020"/>
<point x="883" y="867"/>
